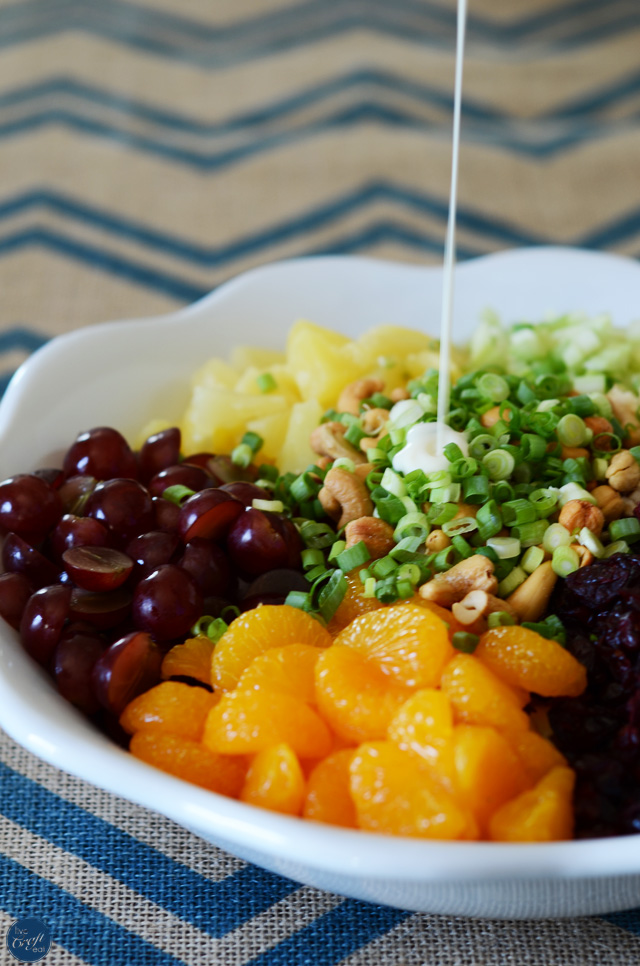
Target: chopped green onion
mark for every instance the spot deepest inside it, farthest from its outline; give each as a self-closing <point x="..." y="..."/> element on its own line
<point x="591" y="542"/>
<point x="441" y="513"/>
<point x="405" y="589"/>
<point x="465" y="642"/>
<point x="571" y="430"/>
<point x="266" y="382"/>
<point x="635" y="452"/>
<point x="177" y="494"/>
<point x="532" y="559"/>
<point x="272" y="506"/>
<point x="618" y="546"/>
<point x="446" y="494"/>
<point x="444" y="559"/>
<point x="565" y="561"/>
<point x="489" y="520"/>
<point x="242" y="455"/>
<point x="505" y="547"/>
<point x="312" y="558"/>
<point x="571" y="491"/>
<point x="304" y="487"/>
<point x="517" y="512"/>
<point x="475" y="490"/>
<point x="532" y="447"/>
<point x="500" y="618"/>
<point x="316" y="535"/>
<point x="384" y="566"/>
<point x="489" y="553"/>
<point x="581" y="406"/>
<point x="511" y="582"/>
<point x="316" y="572"/>
<point x="626" y="529"/>
<point x="499" y="464"/>
<point x="412" y="525"/>
<point x="453" y="452"/>
<point x="493" y="387"/>
<point x="544" y="501"/>
<point x="556" y="536"/>
<point x="300" y="599"/>
<point x="462" y="468"/>
<point x="406" y="413"/>
<point x="531" y="534"/>
<point x="481" y="445"/>
<point x="353" y="557"/>
<point x="332" y="594"/>
<point x="406" y="545"/>
<point x="336" y="548"/>
<point x="459" y="526"/>
<point x="369" y="587"/>
<point x="254" y="441"/>
<point x="409" y="572"/>
<point x="462" y="547"/>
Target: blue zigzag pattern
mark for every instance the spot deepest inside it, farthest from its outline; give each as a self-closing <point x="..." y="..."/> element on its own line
<point x="308" y="22"/>
<point x="530" y="138"/>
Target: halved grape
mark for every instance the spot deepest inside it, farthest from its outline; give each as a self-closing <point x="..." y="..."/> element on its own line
<point x="102" y="610"/>
<point x="97" y="568"/>
<point x="208" y="513"/>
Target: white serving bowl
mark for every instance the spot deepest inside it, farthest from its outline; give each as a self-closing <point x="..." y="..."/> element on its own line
<point x="122" y="374"/>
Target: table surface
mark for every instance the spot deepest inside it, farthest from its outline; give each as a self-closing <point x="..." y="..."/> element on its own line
<point x="150" y="150"/>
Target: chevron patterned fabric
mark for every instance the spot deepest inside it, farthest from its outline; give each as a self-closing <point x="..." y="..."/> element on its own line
<point x="150" y="150"/>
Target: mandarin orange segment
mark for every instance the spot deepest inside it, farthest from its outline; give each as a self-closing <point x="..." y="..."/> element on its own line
<point x="176" y="708"/>
<point x="527" y="660"/>
<point x="479" y="697"/>
<point x="488" y="771"/>
<point x="289" y="669"/>
<point x="353" y="604"/>
<point x="190" y="761"/>
<point x="257" y="631"/>
<point x="393" y="793"/>
<point x="328" y="796"/>
<point x="246" y="722"/>
<point x="445" y="615"/>
<point x="191" y="660"/>
<point x="424" y="726"/>
<point x="354" y="696"/>
<point x="410" y="644"/>
<point x="275" y="781"/>
<point x="544" y="814"/>
<point x="537" y="754"/>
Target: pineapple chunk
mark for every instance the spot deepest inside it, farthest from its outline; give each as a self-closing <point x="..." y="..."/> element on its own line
<point x="216" y="418"/>
<point x="296" y="453"/>
<point x="323" y="362"/>
<point x="285" y="382"/>
<point x="273" y="430"/>
<point x="244" y="356"/>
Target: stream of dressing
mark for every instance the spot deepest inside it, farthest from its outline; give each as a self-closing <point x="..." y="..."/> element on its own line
<point x="426" y="441"/>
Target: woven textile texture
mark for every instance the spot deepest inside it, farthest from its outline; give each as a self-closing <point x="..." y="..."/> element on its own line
<point x="150" y="150"/>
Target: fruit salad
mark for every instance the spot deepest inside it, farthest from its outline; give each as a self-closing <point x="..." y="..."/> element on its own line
<point x="295" y="598"/>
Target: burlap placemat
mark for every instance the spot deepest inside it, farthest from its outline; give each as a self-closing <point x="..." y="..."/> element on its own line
<point x="151" y="150"/>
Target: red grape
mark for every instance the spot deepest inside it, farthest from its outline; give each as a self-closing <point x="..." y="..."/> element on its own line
<point x="97" y="568"/>
<point x="72" y="665"/>
<point x="192" y="477"/>
<point x="273" y="587"/>
<point x="246" y="492"/>
<point x="166" y="603"/>
<point x="19" y="557"/>
<point x="15" y="591"/>
<point x="103" y="610"/>
<point x="43" y="620"/>
<point x="150" y="550"/>
<point x="75" y="492"/>
<point x="72" y="531"/>
<point x="28" y="506"/>
<point x="159" y="451"/>
<point x="166" y="514"/>
<point x="224" y="470"/>
<point x="260" y="541"/>
<point x="208" y="513"/>
<point x="123" y="506"/>
<point x="208" y="566"/>
<point x="126" y="669"/>
<point x="102" y="452"/>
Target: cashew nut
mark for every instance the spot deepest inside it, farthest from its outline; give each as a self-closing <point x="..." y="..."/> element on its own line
<point x="352" y="395"/>
<point x="598" y="425"/>
<point x="374" y="420"/>
<point x="585" y="555"/>
<point x="473" y="573"/>
<point x="344" y="497"/>
<point x="625" y="408"/>
<point x="576" y="514"/>
<point x="478" y="604"/>
<point x="328" y="440"/>
<point x="376" y="535"/>
<point x="623" y="472"/>
<point x="397" y="395"/>
<point x="437" y="540"/>
<point x="609" y="501"/>
<point x="530" y="599"/>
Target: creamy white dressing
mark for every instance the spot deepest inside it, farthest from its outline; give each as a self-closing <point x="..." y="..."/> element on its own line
<point x="423" y="448"/>
<point x="426" y="441"/>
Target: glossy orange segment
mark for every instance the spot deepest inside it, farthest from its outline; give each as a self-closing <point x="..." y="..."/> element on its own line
<point x="353" y="603"/>
<point x="537" y="754"/>
<point x="423" y="726"/>
<point x="328" y="797"/>
<point x="275" y="781"/>
<point x="246" y="722"/>
<point x="487" y="770"/>
<point x="190" y="761"/>
<point x="354" y="696"/>
<point x="453" y="625"/>
<point x="408" y="643"/>
<point x="544" y="814"/>
<point x="395" y="795"/>
<point x="190" y="660"/>
<point x="525" y="659"/>
<point x="479" y="697"/>
<point x="255" y="632"/>
<point x="289" y="669"/>
<point x="171" y="706"/>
